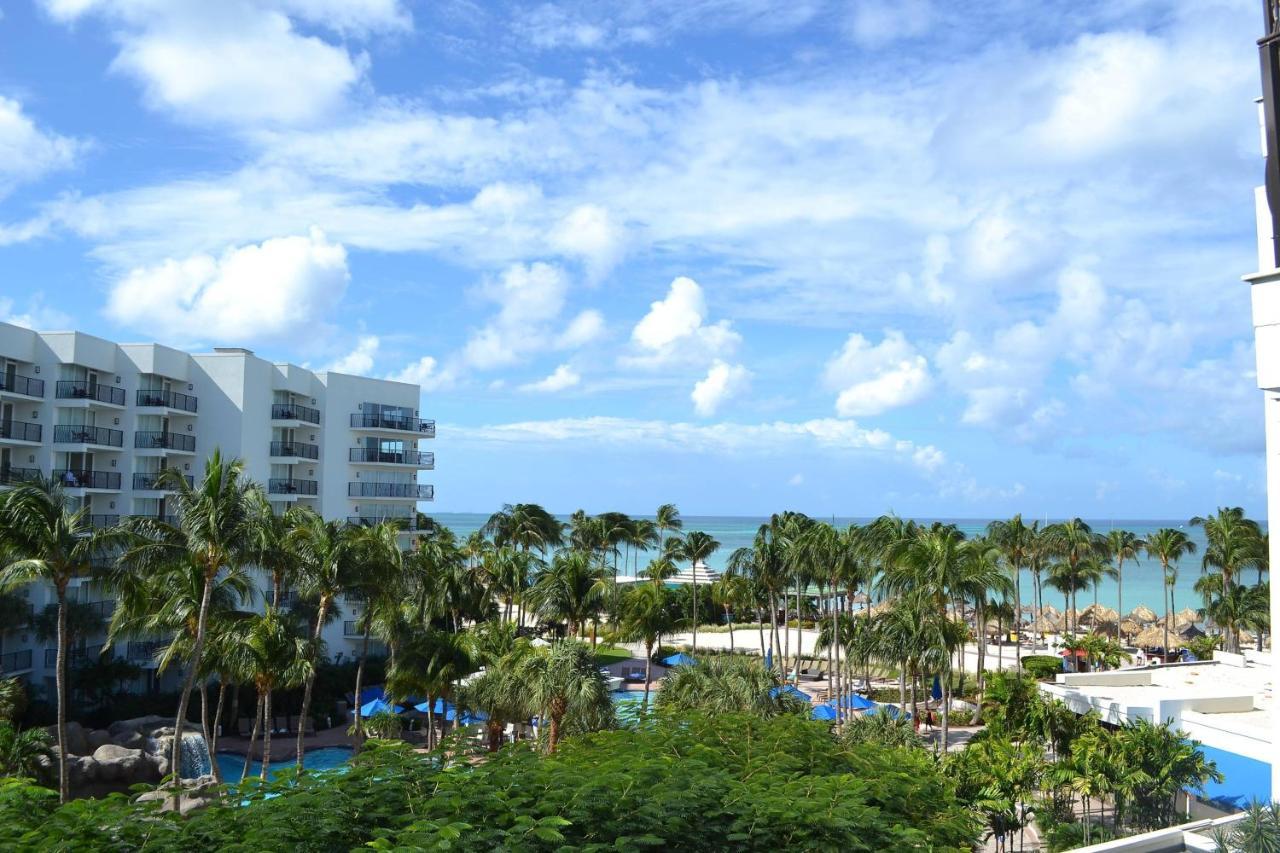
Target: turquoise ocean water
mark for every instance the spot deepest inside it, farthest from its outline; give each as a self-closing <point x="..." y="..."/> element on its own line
<point x="1142" y="583"/>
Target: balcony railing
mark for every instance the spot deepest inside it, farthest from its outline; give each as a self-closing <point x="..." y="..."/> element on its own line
<point x="82" y="434"/>
<point x="22" y="385"/>
<point x="76" y="390"/>
<point x="20" y="431"/>
<point x="165" y="400"/>
<point x="382" y="420"/>
<point x="102" y="609"/>
<point x="143" y="651"/>
<point x="10" y="476"/>
<point x="293" y="448"/>
<point x="150" y="481"/>
<point x="294" y="412"/>
<point x="98" y="521"/>
<point x="292" y="487"/>
<point x="393" y="457"/>
<point x="150" y="440"/>
<point x="167" y="519"/>
<point x="351" y="629"/>
<point x="11" y="662"/>
<point x="391" y="490"/>
<point x="75" y="657"/>
<point x="404" y="523"/>
<point x="74" y="478"/>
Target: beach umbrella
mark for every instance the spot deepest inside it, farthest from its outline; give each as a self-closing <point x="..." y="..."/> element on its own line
<point x="856" y="702"/>
<point x="379" y="706"/>
<point x="1107" y="614"/>
<point x="1143" y="615"/>
<point x="789" y="689"/>
<point x="1190" y="632"/>
<point x="936" y="692"/>
<point x="824" y="712"/>
<point x="1130" y="628"/>
<point x="1049" y="622"/>
<point x="1089" y="615"/>
<point x="1186" y="616"/>
<point x="1049" y="609"/>
<point x="1153" y="638"/>
<point x="679" y="659"/>
<point x="889" y="710"/>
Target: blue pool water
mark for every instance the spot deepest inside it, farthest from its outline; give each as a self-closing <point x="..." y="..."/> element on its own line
<point x="327" y="758"/>
<point x="626" y="704"/>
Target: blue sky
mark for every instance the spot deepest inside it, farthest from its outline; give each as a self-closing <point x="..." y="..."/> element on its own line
<point x="945" y="258"/>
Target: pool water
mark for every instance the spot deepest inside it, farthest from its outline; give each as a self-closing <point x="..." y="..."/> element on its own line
<point x="326" y="758"/>
<point x="627" y="703"/>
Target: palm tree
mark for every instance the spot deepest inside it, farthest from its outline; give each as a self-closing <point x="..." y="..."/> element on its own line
<point x="1234" y="543"/>
<point x="667" y="519"/>
<point x="642" y="536"/>
<point x="268" y="547"/>
<point x="564" y="680"/>
<point x="48" y="542"/>
<point x="1239" y="607"/>
<point x="696" y="548"/>
<point x="215" y="530"/>
<point x="375" y="581"/>
<point x="1072" y="540"/>
<point x="1016" y="541"/>
<point x="570" y="590"/>
<point x="727" y="685"/>
<point x="645" y="617"/>
<point x="525" y="527"/>
<point x="497" y="691"/>
<point x="271" y="654"/>
<point x="1122" y="545"/>
<point x="1168" y="545"/>
<point x="431" y="663"/>
<point x="327" y="555"/>
<point x="23" y="753"/>
<point x="730" y="592"/>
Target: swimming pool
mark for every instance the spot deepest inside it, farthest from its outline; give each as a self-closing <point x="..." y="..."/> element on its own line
<point x="627" y="703"/>
<point x="326" y="758"/>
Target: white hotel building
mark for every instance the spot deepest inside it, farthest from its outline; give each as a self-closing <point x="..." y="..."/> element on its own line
<point x="105" y="418"/>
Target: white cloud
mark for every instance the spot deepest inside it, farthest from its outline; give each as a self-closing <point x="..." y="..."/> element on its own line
<point x="26" y="151"/>
<point x="37" y="315"/>
<point x="589" y="232"/>
<point x="284" y="287"/>
<point x="675" y="331"/>
<point x="875" y="23"/>
<point x="359" y="361"/>
<point x="425" y="372"/>
<point x="585" y="328"/>
<point x="796" y="480"/>
<point x="722" y="382"/>
<point x="528" y="297"/>
<point x="561" y="378"/>
<point x="873" y="379"/>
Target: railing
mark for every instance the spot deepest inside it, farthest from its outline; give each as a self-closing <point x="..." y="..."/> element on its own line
<point x="20" y="431"/>
<point x="102" y="608"/>
<point x="97" y="521"/>
<point x="150" y="481"/>
<point x="167" y="519"/>
<point x="15" y="661"/>
<point x="293" y="448"/>
<point x="77" y="390"/>
<point x="294" y="412"/>
<point x="382" y="420"/>
<point x="351" y="629"/>
<point x="82" y="434"/>
<point x="390" y="490"/>
<point x="150" y="440"/>
<point x="404" y="523"/>
<point x="11" y="476"/>
<point x="72" y="478"/>
<point x="292" y="487"/>
<point x="393" y="457"/>
<point x="143" y="650"/>
<point x="147" y="398"/>
<point x="75" y="657"/>
<point x="22" y="385"/>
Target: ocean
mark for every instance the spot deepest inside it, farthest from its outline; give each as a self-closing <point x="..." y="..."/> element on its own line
<point x="1142" y="581"/>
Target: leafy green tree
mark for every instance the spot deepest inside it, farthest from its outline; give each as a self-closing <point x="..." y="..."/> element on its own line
<point x="1073" y="542"/>
<point x="728" y="684"/>
<point x="1122" y="545"/>
<point x="375" y="581"/>
<point x="564" y="680"/>
<point x="23" y="753"/>
<point x="667" y="520"/>
<point x="271" y="654"/>
<point x="1234" y="543"/>
<point x="1016" y="541"/>
<point x="645" y="617"/>
<point x="1168" y="545"/>
<point x="1240" y="607"/>
<point x="431" y="663"/>
<point x="570" y="590"/>
<point x="696" y="548"/>
<point x="497" y="691"/>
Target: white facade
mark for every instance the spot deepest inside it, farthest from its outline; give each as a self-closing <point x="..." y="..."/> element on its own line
<point x="105" y="418"/>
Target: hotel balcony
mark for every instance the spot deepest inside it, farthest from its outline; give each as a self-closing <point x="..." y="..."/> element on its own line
<point x="174" y="441"/>
<point x="183" y="404"/>
<point x="293" y="451"/>
<point x="74" y="478"/>
<point x="90" y="392"/>
<point x="23" y="386"/>
<point x="13" y="663"/>
<point x="299" y="488"/>
<point x="84" y="434"/>
<point x="373" y="456"/>
<point x="143" y="651"/>
<point x="294" y="413"/>
<point x="405" y="523"/>
<point x="382" y="422"/>
<point x="27" y="433"/>
<point x="413" y="491"/>
<point x="164" y="519"/>
<point x="11" y="476"/>
<point x="150" y="482"/>
<point x="99" y="521"/>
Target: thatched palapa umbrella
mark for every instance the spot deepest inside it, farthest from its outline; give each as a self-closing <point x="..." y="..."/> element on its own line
<point x="1186" y="616"/>
<point x="1129" y="628"/>
<point x="1153" y="638"/>
<point x="1144" y="615"/>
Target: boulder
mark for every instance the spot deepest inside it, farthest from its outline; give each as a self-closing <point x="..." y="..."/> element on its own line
<point x="131" y="739"/>
<point x="119" y="764"/>
<point x="97" y="738"/>
<point x="139" y="724"/>
<point x="76" y="743"/>
<point x="82" y="770"/>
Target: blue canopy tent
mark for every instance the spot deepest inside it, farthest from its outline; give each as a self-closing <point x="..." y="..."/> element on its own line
<point x="856" y="702"/>
<point x="824" y="712"/>
<point x="379" y="706"/>
<point x="679" y="659"/>
<point x="791" y="689"/>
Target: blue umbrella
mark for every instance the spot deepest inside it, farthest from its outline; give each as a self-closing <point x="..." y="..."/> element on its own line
<point x="679" y="659"/>
<point x="450" y="712"/>
<point x="855" y="702"/>
<point x="788" y="688"/>
<point x="824" y="712"/>
<point x="768" y="659"/>
<point x="891" y="710"/>
<point x="379" y="706"/>
<point x="937" y="688"/>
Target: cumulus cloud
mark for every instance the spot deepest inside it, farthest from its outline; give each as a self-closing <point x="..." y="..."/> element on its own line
<point x="722" y="382"/>
<point x="588" y="232"/>
<point x="561" y="378"/>
<point x="529" y="297"/>
<point x="675" y="330"/>
<point x="874" y="378"/>
<point x="875" y="23"/>
<point x="425" y="372"/>
<point x="284" y="287"/>
<point x="36" y="315"/>
<point x="26" y="151"/>
<point x="359" y="361"/>
<point x="586" y="327"/>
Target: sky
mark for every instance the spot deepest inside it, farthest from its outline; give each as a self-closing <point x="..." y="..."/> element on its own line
<point x="956" y="259"/>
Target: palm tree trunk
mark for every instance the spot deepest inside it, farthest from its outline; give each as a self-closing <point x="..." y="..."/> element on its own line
<point x="311" y="679"/>
<point x="729" y="616"/>
<point x="760" y="626"/>
<point x="364" y="653"/>
<point x="184" y="700"/>
<point x="268" y="723"/>
<point x="648" y="663"/>
<point x="1000" y="648"/>
<point x="773" y="625"/>
<point x="1017" y="618"/>
<point x="695" y="605"/>
<point x="982" y="659"/>
<point x="786" y="634"/>
<point x="204" y="708"/>
<point x="60" y="679"/>
<point x="1119" y="596"/>
<point x="217" y="723"/>
<point x="253" y="736"/>
<point x="902" y="688"/>
<point x="553" y="733"/>
<point x="946" y="710"/>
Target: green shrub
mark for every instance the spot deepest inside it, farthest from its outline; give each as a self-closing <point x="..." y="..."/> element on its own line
<point x="1042" y="667"/>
